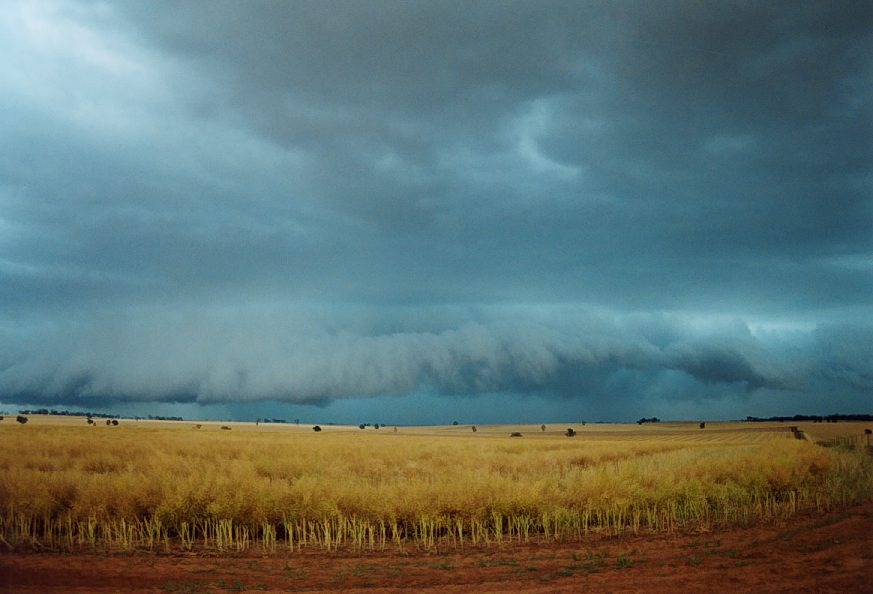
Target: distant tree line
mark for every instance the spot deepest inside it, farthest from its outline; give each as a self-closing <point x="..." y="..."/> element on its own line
<point x="67" y="413"/>
<point x="814" y="418"/>
<point x="296" y="421"/>
<point x="95" y="415"/>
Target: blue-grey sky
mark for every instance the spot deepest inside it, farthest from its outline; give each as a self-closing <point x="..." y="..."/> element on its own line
<point x="411" y="212"/>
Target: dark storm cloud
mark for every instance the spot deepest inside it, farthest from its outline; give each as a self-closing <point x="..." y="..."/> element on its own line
<point x="180" y="182"/>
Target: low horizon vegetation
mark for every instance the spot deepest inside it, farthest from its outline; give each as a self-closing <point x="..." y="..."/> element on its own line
<point x="135" y="488"/>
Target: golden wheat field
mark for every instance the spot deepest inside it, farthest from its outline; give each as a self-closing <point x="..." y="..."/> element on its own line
<point x="148" y="485"/>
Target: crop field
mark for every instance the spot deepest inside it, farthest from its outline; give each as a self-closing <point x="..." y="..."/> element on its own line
<point x="186" y="486"/>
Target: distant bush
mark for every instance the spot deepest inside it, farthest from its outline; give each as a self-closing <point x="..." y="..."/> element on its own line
<point x="515" y="434"/>
<point x="542" y="427"/>
<point x="361" y="426"/>
<point x="649" y="420"/>
<point x="316" y="428"/>
<point x="21" y="419"/>
<point x="570" y="432"/>
<point x="225" y="427"/>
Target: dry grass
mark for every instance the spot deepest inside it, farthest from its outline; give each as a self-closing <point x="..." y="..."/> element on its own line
<point x="151" y="485"/>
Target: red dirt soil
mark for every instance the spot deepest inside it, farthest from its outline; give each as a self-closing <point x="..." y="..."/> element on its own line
<point x="831" y="553"/>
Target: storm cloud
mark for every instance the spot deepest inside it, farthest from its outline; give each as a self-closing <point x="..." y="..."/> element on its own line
<point x="308" y="202"/>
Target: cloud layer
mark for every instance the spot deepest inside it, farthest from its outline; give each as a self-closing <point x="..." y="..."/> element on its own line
<point x="314" y="201"/>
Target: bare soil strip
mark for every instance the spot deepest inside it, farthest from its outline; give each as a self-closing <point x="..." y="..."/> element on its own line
<point x="831" y="553"/>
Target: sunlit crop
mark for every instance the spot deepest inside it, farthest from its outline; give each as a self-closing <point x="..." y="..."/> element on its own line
<point x="128" y="487"/>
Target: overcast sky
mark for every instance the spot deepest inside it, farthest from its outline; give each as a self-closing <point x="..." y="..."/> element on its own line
<point x="421" y="211"/>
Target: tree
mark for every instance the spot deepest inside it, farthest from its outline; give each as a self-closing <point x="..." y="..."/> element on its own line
<point x="454" y="422"/>
<point x="542" y="427"/>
